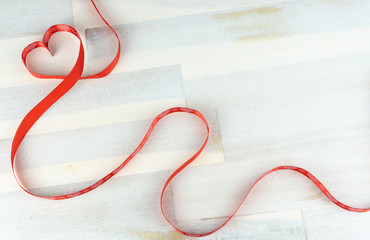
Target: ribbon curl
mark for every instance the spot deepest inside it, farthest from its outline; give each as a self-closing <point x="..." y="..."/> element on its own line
<point x="71" y="79"/>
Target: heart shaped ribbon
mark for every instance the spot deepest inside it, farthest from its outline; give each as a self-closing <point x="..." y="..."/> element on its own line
<point x="70" y="80"/>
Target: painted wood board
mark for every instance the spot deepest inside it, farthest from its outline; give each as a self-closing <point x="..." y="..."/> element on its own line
<point x="329" y="223"/>
<point x="276" y="225"/>
<point x="327" y="134"/>
<point x="117" y="125"/>
<point x="286" y="34"/>
<point x="280" y="83"/>
<point x="332" y="119"/>
<point x="149" y="92"/>
<point x="118" y="12"/>
<point x="102" y="214"/>
<point x="70" y="157"/>
<point x="24" y="18"/>
<point x="214" y="192"/>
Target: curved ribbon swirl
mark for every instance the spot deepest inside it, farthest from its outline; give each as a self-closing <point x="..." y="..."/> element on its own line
<point x="70" y="80"/>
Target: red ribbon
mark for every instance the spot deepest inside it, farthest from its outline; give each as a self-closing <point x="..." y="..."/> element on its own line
<point x="71" y="79"/>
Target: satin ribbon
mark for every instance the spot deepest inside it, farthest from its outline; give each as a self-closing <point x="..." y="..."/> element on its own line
<point x="70" y="80"/>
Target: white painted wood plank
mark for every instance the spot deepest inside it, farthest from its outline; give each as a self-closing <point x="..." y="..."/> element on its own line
<point x="252" y="38"/>
<point x="324" y="133"/>
<point x="329" y="223"/>
<point x="118" y="12"/>
<point x="12" y="70"/>
<point x="292" y="90"/>
<point x="22" y="18"/>
<point x="152" y="90"/>
<point x="282" y="225"/>
<point x="114" y="211"/>
<point x="278" y="225"/>
<point x="254" y="88"/>
<point x="214" y="192"/>
<point x="336" y="119"/>
<point x="94" y="117"/>
<point x="71" y="154"/>
<point x="68" y="173"/>
<point x="120" y="97"/>
<point x="90" y="153"/>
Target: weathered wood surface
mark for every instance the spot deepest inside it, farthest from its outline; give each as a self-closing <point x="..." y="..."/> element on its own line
<point x="280" y="82"/>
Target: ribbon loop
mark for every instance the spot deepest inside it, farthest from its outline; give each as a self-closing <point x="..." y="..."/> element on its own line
<point x="71" y="79"/>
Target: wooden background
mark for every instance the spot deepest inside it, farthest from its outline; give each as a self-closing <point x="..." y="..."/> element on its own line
<point x="280" y="82"/>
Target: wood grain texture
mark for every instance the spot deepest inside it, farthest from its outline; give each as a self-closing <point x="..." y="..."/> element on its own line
<point x="253" y="37"/>
<point x="97" y="215"/>
<point x="97" y="134"/>
<point x="21" y="18"/>
<point x="118" y="12"/>
<point x="281" y="225"/>
<point x="327" y="223"/>
<point x="280" y="82"/>
<point x="133" y="92"/>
